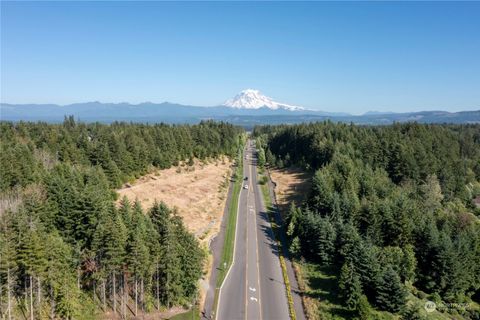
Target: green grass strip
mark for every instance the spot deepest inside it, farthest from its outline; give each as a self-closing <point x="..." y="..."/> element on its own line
<point x="192" y="314"/>
<point x="228" y="245"/>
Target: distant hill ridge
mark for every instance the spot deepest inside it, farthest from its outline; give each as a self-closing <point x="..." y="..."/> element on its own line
<point x="150" y="112"/>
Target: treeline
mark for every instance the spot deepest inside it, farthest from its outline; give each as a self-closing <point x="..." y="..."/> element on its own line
<point x="123" y="151"/>
<point x="67" y="251"/>
<point x="390" y="207"/>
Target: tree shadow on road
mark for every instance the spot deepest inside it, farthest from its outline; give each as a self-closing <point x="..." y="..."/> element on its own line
<point x="269" y="234"/>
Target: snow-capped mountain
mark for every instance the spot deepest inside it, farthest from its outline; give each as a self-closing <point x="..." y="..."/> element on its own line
<point x="248" y="117"/>
<point x="254" y="99"/>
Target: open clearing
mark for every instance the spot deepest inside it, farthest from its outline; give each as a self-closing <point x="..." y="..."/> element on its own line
<point x="291" y="184"/>
<point x="198" y="192"/>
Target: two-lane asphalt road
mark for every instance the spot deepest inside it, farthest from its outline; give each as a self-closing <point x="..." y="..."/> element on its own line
<point x="254" y="287"/>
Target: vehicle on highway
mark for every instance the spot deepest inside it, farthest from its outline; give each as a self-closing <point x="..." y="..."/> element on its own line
<point x="246" y="178"/>
<point x="245" y="186"/>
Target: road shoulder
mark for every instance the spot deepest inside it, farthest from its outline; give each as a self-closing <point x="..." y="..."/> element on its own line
<point x="294" y="287"/>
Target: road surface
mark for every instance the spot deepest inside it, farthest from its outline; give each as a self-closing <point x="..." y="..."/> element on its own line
<point x="253" y="288"/>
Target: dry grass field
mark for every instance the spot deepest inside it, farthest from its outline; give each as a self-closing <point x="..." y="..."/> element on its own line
<point x="291" y="184"/>
<point x="198" y="192"/>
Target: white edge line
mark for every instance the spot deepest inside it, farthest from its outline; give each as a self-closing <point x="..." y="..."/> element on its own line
<point x="234" y="247"/>
<point x="274" y="205"/>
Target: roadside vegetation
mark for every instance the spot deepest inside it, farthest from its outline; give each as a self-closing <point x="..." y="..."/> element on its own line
<point x="192" y="314"/>
<point x="389" y="223"/>
<point x="67" y="249"/>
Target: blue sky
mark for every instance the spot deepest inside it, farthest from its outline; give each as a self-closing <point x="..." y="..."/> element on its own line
<point x="342" y="56"/>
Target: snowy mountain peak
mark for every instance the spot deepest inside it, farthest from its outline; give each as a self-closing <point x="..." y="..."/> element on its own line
<point x="254" y="99"/>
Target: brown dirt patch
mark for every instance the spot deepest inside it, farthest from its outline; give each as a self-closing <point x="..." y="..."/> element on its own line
<point x="153" y="315"/>
<point x="198" y="192"/>
<point x="291" y="184"/>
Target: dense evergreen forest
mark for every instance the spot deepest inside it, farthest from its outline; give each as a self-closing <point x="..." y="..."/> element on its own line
<point x="390" y="209"/>
<point x="67" y="251"/>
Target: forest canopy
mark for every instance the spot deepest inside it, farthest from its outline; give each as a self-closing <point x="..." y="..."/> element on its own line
<point x="66" y="249"/>
<point x="391" y="208"/>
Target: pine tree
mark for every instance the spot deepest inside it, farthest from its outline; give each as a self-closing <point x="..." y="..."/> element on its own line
<point x="431" y="193"/>
<point x="32" y="261"/>
<point x="269" y="157"/>
<point x="408" y="264"/>
<point x="160" y="215"/>
<point x="295" y="247"/>
<point x="261" y="157"/>
<point x="125" y="211"/>
<point x="170" y="268"/>
<point x="67" y="300"/>
<point x="113" y="173"/>
<point x="349" y="244"/>
<point x="8" y="265"/>
<point x="109" y="243"/>
<point x="138" y="254"/>
<point x="190" y="256"/>
<point x="368" y="268"/>
<point x="318" y="237"/>
<point x="292" y="219"/>
<point x="391" y="294"/>
<point x="322" y="192"/>
<point x="349" y="286"/>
